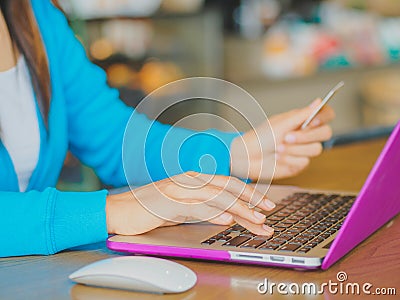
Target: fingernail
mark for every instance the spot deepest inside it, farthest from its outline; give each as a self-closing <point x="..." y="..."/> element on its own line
<point x="259" y="215"/>
<point x="280" y="148"/>
<point x="290" y="138"/>
<point x="316" y="122"/>
<point x="269" y="204"/>
<point x="268" y="229"/>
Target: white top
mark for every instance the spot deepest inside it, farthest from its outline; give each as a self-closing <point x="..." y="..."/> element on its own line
<point x="19" y="128"/>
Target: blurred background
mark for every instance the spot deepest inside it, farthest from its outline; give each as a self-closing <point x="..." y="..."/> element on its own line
<point x="285" y="53"/>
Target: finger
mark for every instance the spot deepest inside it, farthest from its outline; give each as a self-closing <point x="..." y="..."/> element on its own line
<point x="208" y="213"/>
<point x="241" y="210"/>
<point x="293" y="164"/>
<point x="326" y="115"/>
<point x="307" y="150"/>
<point x="240" y="189"/>
<point x="223" y="219"/>
<point x="295" y="118"/>
<point x="202" y="202"/>
<point x="311" y="135"/>
<point x="238" y="209"/>
<point x="259" y="229"/>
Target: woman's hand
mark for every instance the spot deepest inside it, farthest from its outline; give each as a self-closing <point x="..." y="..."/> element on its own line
<point x="188" y="197"/>
<point x="253" y="155"/>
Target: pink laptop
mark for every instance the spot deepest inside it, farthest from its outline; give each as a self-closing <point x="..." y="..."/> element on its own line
<point x="313" y="229"/>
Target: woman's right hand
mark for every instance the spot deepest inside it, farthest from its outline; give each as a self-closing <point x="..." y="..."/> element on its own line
<point x="187" y="198"/>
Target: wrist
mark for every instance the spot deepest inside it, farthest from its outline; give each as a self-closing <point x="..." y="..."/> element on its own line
<point x="110" y="212"/>
<point x="239" y="164"/>
<point x="125" y="215"/>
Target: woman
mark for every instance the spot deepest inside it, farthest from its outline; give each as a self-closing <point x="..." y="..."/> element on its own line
<point x="53" y="100"/>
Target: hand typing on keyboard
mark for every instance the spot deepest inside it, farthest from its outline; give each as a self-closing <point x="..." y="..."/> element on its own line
<point x="188" y="197"/>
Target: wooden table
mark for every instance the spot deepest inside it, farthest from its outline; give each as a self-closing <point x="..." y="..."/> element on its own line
<point x="376" y="260"/>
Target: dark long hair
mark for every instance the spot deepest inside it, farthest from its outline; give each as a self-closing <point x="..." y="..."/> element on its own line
<point x="25" y="36"/>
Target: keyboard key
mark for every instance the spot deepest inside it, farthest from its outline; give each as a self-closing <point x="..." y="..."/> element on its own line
<point x="247" y="232"/>
<point x="290" y="247"/>
<point x="274" y="218"/>
<point x="208" y="242"/>
<point x="314" y="231"/>
<point x="288" y="210"/>
<point x="293" y="207"/>
<point x="320" y="227"/>
<point x="303" y="250"/>
<point x="306" y="210"/>
<point x="337" y="226"/>
<point x="304" y="223"/>
<point x="281" y="225"/>
<point x="262" y="237"/>
<point x="269" y="246"/>
<point x="325" y="235"/>
<point x="326" y="223"/>
<point x="315" y="196"/>
<point x="278" y="241"/>
<point x="249" y="235"/>
<point x="252" y="244"/>
<point x="224" y="238"/>
<point x="292" y="231"/>
<point x="277" y="208"/>
<point x="237" y="228"/>
<point x="300" y="240"/>
<point x="318" y="239"/>
<point x="286" y="236"/>
<point x="225" y="232"/>
<point x="236" y="241"/>
<point x="278" y="231"/>
<point x="311" y="244"/>
<point x="289" y="222"/>
<point x="300" y="214"/>
<point x="308" y="233"/>
<point x="270" y="222"/>
<point x="288" y="200"/>
<point x="305" y="236"/>
<point x="331" y="197"/>
<point x="279" y="228"/>
<point x="313" y="219"/>
<point x="282" y="214"/>
<point x="298" y="228"/>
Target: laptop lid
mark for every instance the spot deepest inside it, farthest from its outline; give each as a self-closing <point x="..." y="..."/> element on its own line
<point x="377" y="202"/>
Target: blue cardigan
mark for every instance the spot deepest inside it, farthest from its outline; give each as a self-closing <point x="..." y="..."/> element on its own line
<point x="88" y="118"/>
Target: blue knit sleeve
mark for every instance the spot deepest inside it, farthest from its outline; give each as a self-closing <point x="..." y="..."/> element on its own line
<point x="49" y="221"/>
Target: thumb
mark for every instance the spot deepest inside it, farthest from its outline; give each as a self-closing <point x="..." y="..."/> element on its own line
<point x="293" y="119"/>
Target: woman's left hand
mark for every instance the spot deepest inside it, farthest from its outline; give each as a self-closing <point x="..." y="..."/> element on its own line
<point x="253" y="154"/>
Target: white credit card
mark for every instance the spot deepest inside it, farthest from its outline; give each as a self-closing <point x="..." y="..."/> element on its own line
<point x="323" y="103"/>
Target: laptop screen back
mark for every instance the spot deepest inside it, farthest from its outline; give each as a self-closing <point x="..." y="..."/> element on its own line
<point x="376" y="204"/>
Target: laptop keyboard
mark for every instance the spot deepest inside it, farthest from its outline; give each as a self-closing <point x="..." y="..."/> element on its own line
<point x="301" y="221"/>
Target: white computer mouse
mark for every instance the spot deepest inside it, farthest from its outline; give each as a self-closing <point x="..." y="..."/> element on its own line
<point x="137" y="273"/>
